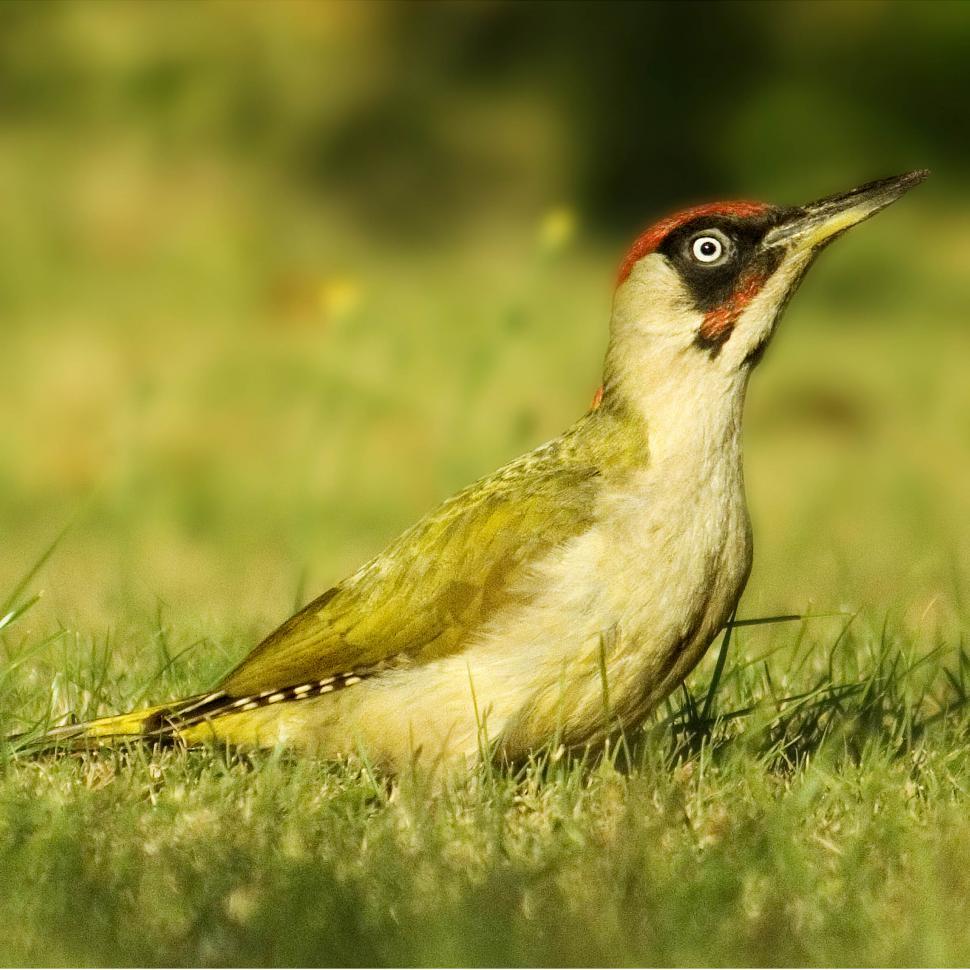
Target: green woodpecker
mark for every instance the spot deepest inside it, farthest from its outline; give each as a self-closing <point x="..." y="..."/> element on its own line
<point x="562" y="597"/>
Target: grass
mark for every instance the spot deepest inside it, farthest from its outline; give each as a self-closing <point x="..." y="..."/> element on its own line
<point x="802" y="801"/>
<point x="231" y="434"/>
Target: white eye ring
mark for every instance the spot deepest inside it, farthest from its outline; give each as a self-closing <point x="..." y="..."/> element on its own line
<point x="707" y="249"/>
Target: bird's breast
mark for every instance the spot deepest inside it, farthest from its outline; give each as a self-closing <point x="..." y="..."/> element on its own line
<point x="638" y="597"/>
<point x="677" y="552"/>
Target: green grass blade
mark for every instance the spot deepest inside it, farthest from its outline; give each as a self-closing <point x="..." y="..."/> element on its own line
<point x="18" y="611"/>
<point x="718" y="668"/>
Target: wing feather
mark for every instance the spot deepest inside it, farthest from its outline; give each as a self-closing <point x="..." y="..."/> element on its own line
<point x="436" y="585"/>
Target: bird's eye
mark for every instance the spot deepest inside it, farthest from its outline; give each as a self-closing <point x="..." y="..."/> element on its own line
<point x="707" y="249"/>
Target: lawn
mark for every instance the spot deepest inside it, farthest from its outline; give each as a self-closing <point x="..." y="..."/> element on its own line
<point x="225" y="436"/>
<point x="276" y="278"/>
<point x="817" y="816"/>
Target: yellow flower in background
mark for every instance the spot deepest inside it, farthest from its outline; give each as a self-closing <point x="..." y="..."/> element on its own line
<point x="298" y="298"/>
<point x="557" y="228"/>
<point x="339" y="296"/>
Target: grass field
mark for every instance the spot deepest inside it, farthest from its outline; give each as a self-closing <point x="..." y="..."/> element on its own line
<point x="228" y="435"/>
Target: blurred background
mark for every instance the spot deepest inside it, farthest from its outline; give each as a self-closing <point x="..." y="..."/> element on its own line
<point x="276" y="277"/>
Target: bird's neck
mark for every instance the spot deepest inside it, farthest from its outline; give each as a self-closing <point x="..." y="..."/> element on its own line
<point x="690" y="410"/>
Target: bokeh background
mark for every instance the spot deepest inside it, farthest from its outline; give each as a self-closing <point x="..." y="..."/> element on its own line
<point x="275" y="278"/>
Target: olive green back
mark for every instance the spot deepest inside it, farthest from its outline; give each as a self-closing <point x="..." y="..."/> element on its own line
<point x="435" y="586"/>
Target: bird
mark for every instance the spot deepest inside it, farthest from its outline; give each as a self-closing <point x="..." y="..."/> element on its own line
<point x="560" y="599"/>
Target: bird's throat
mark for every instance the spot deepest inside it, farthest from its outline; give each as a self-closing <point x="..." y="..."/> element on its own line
<point x="688" y="413"/>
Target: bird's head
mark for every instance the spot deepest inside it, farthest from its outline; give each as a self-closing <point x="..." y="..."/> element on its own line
<point x="707" y="285"/>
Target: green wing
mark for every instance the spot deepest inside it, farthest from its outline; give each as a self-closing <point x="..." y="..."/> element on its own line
<point x="437" y="584"/>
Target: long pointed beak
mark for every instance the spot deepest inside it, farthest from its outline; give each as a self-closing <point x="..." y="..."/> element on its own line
<point x="812" y="226"/>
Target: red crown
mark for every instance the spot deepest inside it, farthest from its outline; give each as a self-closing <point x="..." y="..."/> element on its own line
<point x="648" y="241"/>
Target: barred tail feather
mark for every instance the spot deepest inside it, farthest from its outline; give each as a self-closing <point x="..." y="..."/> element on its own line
<point x="203" y="718"/>
<point x="158" y="723"/>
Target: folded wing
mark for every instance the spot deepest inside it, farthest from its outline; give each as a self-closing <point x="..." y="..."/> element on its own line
<point x="434" y="588"/>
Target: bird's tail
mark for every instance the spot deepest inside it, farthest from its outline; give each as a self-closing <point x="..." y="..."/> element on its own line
<point x="178" y="721"/>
